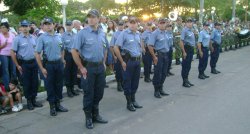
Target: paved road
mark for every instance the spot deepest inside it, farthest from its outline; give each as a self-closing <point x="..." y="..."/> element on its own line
<point x="218" y="105"/>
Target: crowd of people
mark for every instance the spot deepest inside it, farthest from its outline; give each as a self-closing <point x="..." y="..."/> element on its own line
<point x="63" y="55"/>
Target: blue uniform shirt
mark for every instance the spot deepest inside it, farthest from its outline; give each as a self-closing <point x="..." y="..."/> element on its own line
<point x="24" y="46"/>
<point x="204" y="38"/>
<point x="115" y="37"/>
<point x="216" y="36"/>
<point x="145" y="37"/>
<point x="68" y="40"/>
<point x="187" y="36"/>
<point x="170" y="38"/>
<point x="51" y="45"/>
<point x="130" y="41"/>
<point x="91" y="44"/>
<point x="159" y="40"/>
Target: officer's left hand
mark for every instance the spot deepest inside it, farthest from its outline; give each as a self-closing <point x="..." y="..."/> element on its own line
<point x="20" y="69"/>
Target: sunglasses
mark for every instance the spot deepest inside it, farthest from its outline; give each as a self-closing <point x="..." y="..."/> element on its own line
<point x="162" y="22"/>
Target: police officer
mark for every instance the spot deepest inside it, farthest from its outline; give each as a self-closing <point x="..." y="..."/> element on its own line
<point x="50" y="44"/>
<point x="203" y="48"/>
<point x="215" y="47"/>
<point x="147" y="58"/>
<point x="91" y="44"/>
<point x="187" y="45"/>
<point x="70" y="71"/>
<point x="130" y="57"/>
<point x="117" y="65"/>
<point x="22" y="54"/>
<point x="170" y="37"/>
<point x="159" y="41"/>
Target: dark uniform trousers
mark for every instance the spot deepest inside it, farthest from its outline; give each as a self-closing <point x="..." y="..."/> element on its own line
<point x="93" y="86"/>
<point x="186" y="63"/>
<point x="147" y="61"/>
<point x="70" y="71"/>
<point x="170" y="58"/>
<point x="54" y="80"/>
<point x="160" y="70"/>
<point x="118" y="71"/>
<point x="203" y="61"/>
<point x="29" y="78"/>
<point x="215" y="55"/>
<point x="131" y="76"/>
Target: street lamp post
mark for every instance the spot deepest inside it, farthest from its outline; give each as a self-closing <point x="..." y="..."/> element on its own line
<point x="212" y="13"/>
<point x="64" y="3"/>
<point x="201" y="11"/>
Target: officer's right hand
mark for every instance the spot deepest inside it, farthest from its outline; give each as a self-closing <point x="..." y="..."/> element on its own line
<point x="83" y="71"/>
<point x="155" y="59"/>
<point x="184" y="54"/>
<point x="19" y="68"/>
<point x="124" y="66"/>
<point x="44" y="71"/>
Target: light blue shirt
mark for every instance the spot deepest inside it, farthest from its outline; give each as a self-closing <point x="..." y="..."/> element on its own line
<point x="24" y="46"/>
<point x="91" y="44"/>
<point x="68" y="40"/>
<point x="51" y="45"/>
<point x="170" y="38"/>
<point x="204" y="38"/>
<point x="159" y="41"/>
<point x="187" y="36"/>
<point x="216" y="36"/>
<point x="114" y="38"/>
<point x="145" y="37"/>
<point x="130" y="41"/>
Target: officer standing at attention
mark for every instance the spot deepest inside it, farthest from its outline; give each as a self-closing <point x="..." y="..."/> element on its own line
<point x="70" y="71"/>
<point x="147" y="58"/>
<point x="22" y="54"/>
<point x="203" y="48"/>
<point x="52" y="68"/>
<point x="117" y="66"/>
<point x="130" y="57"/>
<point x="215" y="47"/>
<point x="91" y="45"/>
<point x="159" y="41"/>
<point x="170" y="36"/>
<point x="187" y="44"/>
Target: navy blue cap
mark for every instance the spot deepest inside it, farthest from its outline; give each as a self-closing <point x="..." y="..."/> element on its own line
<point x="68" y="22"/>
<point x="133" y="19"/>
<point x="24" y="23"/>
<point x="93" y="12"/>
<point x="162" y="20"/>
<point x="48" y="20"/>
<point x="205" y="24"/>
<point x="120" y="23"/>
<point x="189" y="20"/>
<point x="217" y="24"/>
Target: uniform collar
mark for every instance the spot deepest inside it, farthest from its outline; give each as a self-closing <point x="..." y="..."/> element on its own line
<point x="69" y="33"/>
<point x="55" y="34"/>
<point x="22" y="35"/>
<point x="90" y="29"/>
<point x="161" y="31"/>
<point x="129" y="31"/>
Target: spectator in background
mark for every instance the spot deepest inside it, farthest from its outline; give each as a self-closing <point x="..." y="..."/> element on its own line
<point x="110" y="31"/>
<point x="4" y="99"/>
<point x="60" y="30"/>
<point x="15" y="96"/>
<point x="77" y="26"/>
<point x="8" y="68"/>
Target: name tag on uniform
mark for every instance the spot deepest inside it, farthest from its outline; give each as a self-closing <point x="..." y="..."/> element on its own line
<point x="190" y="34"/>
<point x="24" y="44"/>
<point x="131" y="40"/>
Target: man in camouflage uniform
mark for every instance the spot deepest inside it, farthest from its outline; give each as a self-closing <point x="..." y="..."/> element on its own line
<point x="177" y="31"/>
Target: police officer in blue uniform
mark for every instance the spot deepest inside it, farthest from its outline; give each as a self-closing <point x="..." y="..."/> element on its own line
<point x="159" y="41"/>
<point x="130" y="57"/>
<point x="147" y="58"/>
<point x="170" y="36"/>
<point x="215" y="47"/>
<point x="91" y="45"/>
<point x="52" y="68"/>
<point x="187" y="45"/>
<point x="117" y="65"/>
<point x="70" y="71"/>
<point x="22" y="54"/>
<point x="203" y="48"/>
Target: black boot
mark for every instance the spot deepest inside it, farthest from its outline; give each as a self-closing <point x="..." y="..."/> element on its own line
<point x="69" y="93"/>
<point x="185" y="83"/>
<point x="74" y="92"/>
<point x="157" y="92"/>
<point x="29" y="104"/>
<point x="189" y="82"/>
<point x="97" y="118"/>
<point x="162" y="92"/>
<point x="52" y="109"/>
<point x="213" y="71"/>
<point x="119" y="86"/>
<point x="205" y="75"/>
<point x="130" y="106"/>
<point x="60" y="108"/>
<point x="35" y="103"/>
<point x="88" y="119"/>
<point x="147" y="79"/>
<point x="201" y="76"/>
<point x="170" y="73"/>
<point x="136" y="105"/>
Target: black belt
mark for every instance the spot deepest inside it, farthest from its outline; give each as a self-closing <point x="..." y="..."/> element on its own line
<point x="54" y="61"/>
<point x="28" y="61"/>
<point x="135" y="58"/>
<point x="93" y="64"/>
<point x="161" y="53"/>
